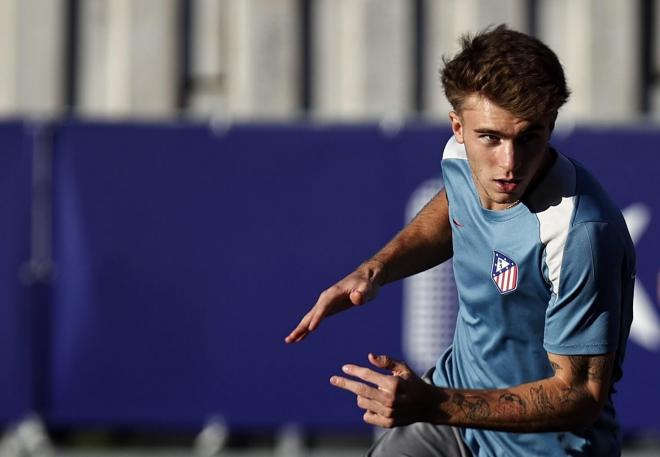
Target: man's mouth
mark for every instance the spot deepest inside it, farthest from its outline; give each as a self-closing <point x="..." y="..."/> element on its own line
<point x="507" y="186"/>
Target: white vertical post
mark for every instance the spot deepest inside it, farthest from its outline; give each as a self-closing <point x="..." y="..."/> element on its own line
<point x="597" y="42"/>
<point x="129" y="57"/>
<point x="31" y="56"/>
<point x="263" y="58"/>
<point x="363" y="58"/>
<point x="8" y="51"/>
<point x="655" y="88"/>
<point x="209" y="48"/>
<point x="338" y="45"/>
<point x="93" y="60"/>
<point x="155" y="65"/>
<point x="388" y="76"/>
<point x="119" y="48"/>
<point x="447" y="20"/>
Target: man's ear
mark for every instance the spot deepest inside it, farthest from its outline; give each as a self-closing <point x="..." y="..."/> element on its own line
<point x="456" y="126"/>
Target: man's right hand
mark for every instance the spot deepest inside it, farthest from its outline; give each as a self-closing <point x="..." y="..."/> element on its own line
<point x="355" y="289"/>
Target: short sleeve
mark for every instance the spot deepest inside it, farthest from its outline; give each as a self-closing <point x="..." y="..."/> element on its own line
<point x="584" y="316"/>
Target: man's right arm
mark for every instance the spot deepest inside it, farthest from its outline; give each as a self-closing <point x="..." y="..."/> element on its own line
<point x="424" y="243"/>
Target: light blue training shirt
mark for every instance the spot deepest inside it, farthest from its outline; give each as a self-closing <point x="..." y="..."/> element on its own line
<point x="554" y="273"/>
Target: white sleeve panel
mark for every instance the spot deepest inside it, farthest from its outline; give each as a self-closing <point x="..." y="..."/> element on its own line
<point x="556" y="216"/>
<point x="454" y="150"/>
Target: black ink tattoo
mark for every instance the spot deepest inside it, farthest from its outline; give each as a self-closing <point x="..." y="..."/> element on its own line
<point x="473" y="406"/>
<point x="511" y="404"/>
<point x="598" y="367"/>
<point x="568" y="395"/>
<point x="592" y="368"/>
<point x="541" y="400"/>
<point x="580" y="366"/>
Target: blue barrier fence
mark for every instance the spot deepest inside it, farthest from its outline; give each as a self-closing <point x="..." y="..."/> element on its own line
<point x="16" y="376"/>
<point x="184" y="256"/>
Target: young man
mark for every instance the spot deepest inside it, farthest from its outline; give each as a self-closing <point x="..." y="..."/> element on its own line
<point x="544" y="267"/>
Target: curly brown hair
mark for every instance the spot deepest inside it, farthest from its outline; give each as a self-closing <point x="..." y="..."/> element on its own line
<point x="514" y="70"/>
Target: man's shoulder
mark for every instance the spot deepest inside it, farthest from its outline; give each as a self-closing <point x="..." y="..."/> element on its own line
<point x="593" y="202"/>
<point x="568" y="185"/>
<point x="574" y="209"/>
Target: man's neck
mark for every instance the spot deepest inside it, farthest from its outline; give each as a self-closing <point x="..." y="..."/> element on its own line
<point x="549" y="161"/>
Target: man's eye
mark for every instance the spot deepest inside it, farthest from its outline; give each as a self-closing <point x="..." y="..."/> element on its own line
<point x="527" y="139"/>
<point x="489" y="138"/>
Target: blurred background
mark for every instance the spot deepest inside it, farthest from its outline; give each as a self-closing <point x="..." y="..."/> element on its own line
<point x="179" y="179"/>
<point x="285" y="60"/>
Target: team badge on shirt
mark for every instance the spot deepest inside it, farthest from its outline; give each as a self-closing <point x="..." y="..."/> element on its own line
<point x="504" y="272"/>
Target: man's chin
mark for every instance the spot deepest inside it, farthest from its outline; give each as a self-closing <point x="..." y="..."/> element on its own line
<point x="506" y="200"/>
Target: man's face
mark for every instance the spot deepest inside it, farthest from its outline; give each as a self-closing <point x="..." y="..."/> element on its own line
<point x="505" y="152"/>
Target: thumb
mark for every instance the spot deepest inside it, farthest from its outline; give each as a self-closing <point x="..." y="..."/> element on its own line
<point x="387" y="363"/>
<point x="358" y="297"/>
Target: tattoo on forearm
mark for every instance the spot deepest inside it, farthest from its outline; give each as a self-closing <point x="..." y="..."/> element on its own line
<point x="590" y="368"/>
<point x="473" y="406"/>
<point x="598" y="367"/>
<point x="568" y="395"/>
<point x="580" y="365"/>
<point x="541" y="399"/>
<point x="510" y="404"/>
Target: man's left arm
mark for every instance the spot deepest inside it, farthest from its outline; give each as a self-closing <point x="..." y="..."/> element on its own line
<point x="572" y="399"/>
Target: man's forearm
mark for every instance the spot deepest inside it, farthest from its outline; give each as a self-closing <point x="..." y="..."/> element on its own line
<point x="541" y="406"/>
<point x="424" y="243"/>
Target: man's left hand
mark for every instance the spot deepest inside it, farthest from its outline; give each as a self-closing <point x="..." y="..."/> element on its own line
<point x="390" y="400"/>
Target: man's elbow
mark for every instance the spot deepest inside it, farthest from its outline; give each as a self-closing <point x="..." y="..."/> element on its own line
<point x="591" y="414"/>
<point x="585" y="412"/>
<point x="583" y="404"/>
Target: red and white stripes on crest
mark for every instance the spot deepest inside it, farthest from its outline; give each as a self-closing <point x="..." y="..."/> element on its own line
<point x="507" y="280"/>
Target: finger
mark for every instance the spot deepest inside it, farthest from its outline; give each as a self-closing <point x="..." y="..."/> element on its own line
<point x="374" y="406"/>
<point x="296" y="335"/>
<point x="366" y="374"/>
<point x="301" y="330"/>
<point x="358" y="388"/>
<point x="387" y="363"/>
<point x="301" y="337"/>
<point x="322" y="307"/>
<point x="315" y="318"/>
<point x="376" y="419"/>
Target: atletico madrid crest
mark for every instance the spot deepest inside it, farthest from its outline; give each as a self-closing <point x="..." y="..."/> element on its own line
<point x="504" y="273"/>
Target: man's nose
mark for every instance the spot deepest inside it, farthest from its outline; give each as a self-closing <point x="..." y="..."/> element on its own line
<point x="507" y="159"/>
